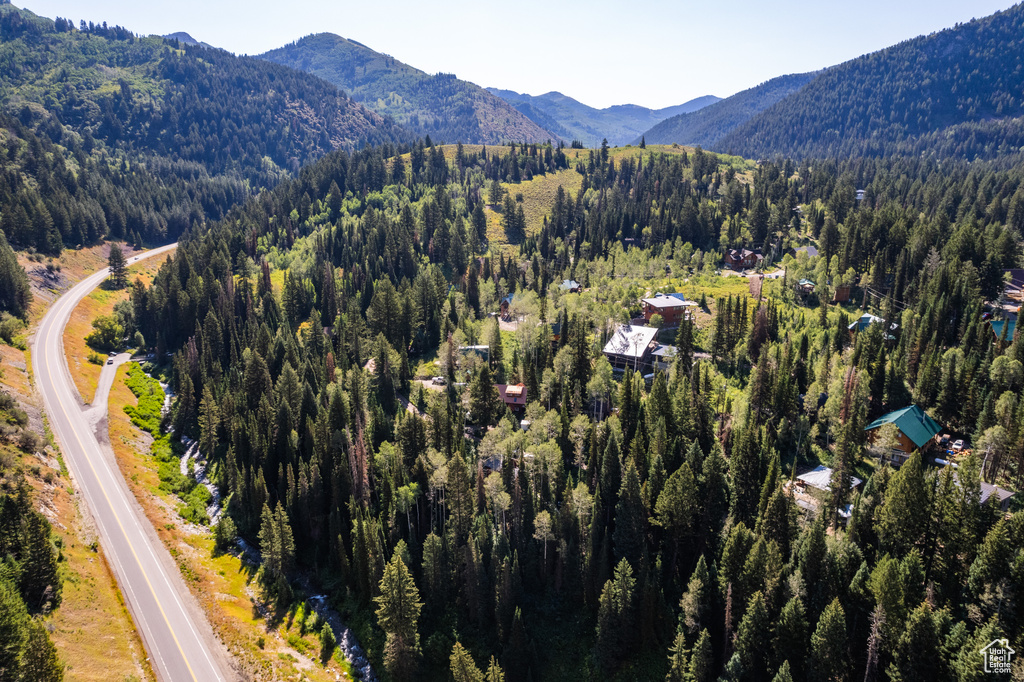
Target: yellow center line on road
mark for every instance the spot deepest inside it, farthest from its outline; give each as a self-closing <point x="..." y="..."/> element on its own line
<point x="60" y="403"/>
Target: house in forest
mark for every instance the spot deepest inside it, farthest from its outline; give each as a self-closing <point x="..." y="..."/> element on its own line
<point x="1013" y="279"/>
<point x="631" y="347"/>
<point x="671" y="307"/>
<point x="742" y="259"/>
<point x="505" y="308"/>
<point x="1002" y="495"/>
<point x="513" y="395"/>
<point x="863" y="322"/>
<point x="663" y="356"/>
<point x="914" y="430"/>
<point x="571" y="286"/>
<point x="820" y="478"/>
<point x="556" y="332"/>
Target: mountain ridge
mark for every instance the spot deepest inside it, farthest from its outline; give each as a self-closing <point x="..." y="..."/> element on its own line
<point x="571" y="119"/>
<point x="439" y="105"/>
<point x="709" y="124"/>
<point x="905" y="97"/>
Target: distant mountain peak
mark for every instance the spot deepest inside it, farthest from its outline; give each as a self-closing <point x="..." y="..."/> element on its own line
<point x="569" y="118"/>
<point x="186" y="38"/>
<point x="439" y="104"/>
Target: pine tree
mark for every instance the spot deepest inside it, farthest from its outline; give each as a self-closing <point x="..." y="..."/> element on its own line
<point x="783" y="675"/>
<point x="701" y="662"/>
<point x="616" y="620"/>
<point x="678" y="665"/>
<point x="483" y="398"/>
<point x="118" y="267"/>
<point x="209" y="421"/>
<point x="677" y="511"/>
<point x="828" y="646"/>
<point x="745" y="469"/>
<point x="40" y="581"/>
<point x="695" y="605"/>
<point x="903" y="517"/>
<point x="15" y="292"/>
<point x="789" y="640"/>
<point x="398" y="612"/>
<point x="40" y="662"/>
<point x="630" y="535"/>
<point x="494" y="671"/>
<point x="14" y="629"/>
<point x="327" y="642"/>
<point x="751" y="638"/>
<point x="462" y="667"/>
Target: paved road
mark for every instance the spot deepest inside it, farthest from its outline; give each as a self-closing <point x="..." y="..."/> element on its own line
<point x="178" y="639"/>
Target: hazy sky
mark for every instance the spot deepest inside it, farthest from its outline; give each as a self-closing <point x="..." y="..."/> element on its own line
<point x="602" y="52"/>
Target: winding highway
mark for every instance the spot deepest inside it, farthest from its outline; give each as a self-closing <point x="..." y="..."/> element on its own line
<point x="178" y="639"/>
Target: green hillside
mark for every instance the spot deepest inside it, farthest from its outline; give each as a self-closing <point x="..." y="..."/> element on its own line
<point x="709" y="124"/>
<point x="573" y="120"/>
<point x="440" y="105"/>
<point x="108" y="133"/>
<point x="943" y="89"/>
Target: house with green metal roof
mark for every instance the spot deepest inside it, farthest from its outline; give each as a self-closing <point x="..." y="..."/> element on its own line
<point x="914" y="430"/>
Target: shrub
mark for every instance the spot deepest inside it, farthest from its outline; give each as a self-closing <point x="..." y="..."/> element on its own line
<point x="28" y="441"/>
<point x="95" y="358"/>
<point x="10" y="327"/>
<point x="148" y="414"/>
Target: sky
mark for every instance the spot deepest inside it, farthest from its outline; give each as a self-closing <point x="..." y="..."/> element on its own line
<point x="654" y="53"/>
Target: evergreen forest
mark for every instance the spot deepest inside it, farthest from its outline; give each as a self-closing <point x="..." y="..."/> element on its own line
<point x="663" y="540"/>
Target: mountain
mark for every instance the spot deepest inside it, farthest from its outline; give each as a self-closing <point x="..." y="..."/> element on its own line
<point x="945" y="89"/>
<point x="187" y="39"/>
<point x="440" y="105"/>
<point x="708" y="125"/>
<point x="106" y="133"/>
<point x="573" y="120"/>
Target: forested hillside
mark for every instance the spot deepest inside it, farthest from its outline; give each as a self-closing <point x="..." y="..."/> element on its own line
<point x="573" y="120"/>
<point x="30" y="575"/>
<point x="107" y="133"/>
<point x="708" y="125"/>
<point x="440" y="106"/>
<point x="662" y="540"/>
<point x="955" y="93"/>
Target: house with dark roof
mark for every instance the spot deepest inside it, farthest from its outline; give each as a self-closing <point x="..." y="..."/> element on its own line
<point x="1014" y="281"/>
<point x="1001" y="496"/>
<point x="742" y="259"/>
<point x="505" y="308"/>
<point x="914" y="430"/>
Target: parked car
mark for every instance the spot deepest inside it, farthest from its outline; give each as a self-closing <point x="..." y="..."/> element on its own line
<point x="437" y="381"/>
<point x="958" y="445"/>
<point x="110" y="361"/>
